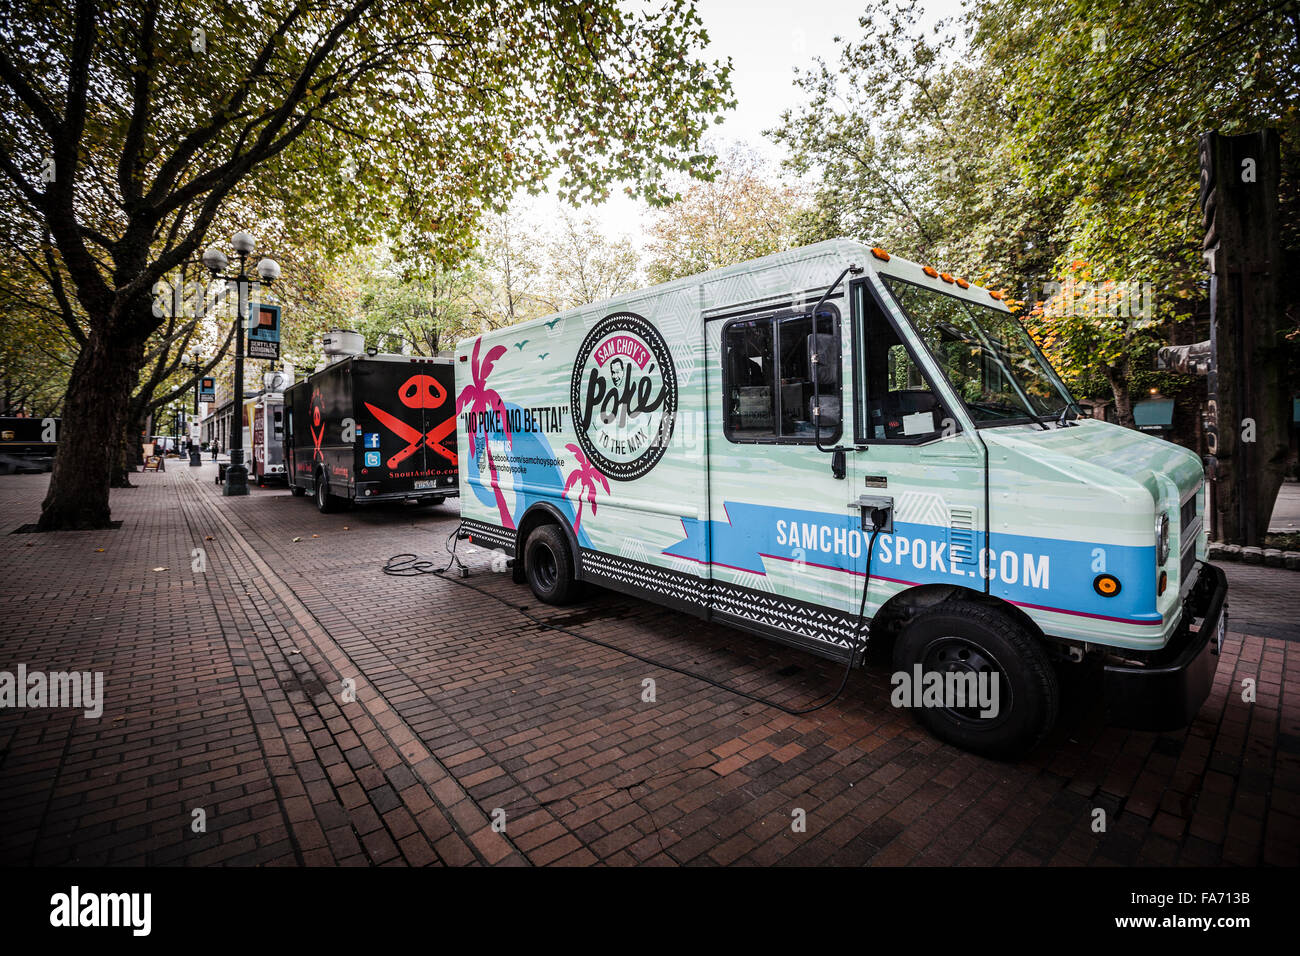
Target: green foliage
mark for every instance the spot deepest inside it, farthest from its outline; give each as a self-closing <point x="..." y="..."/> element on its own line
<point x="587" y="266"/>
<point x="418" y="313"/>
<point x="1036" y="140"/>
<point x="744" y="213"/>
<point x="136" y="131"/>
<point x="522" y="269"/>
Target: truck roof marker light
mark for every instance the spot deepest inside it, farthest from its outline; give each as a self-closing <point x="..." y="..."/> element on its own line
<point x="931" y="271"/>
<point x="963" y="283"/>
<point x="946" y="277"/>
<point x="880" y="254"/>
<point x="1107" y="585"/>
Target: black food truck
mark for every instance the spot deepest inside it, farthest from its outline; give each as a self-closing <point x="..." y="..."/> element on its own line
<point x="372" y="428"/>
<point x="28" y="444"/>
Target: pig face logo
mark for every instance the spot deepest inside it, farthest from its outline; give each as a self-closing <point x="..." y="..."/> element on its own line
<point x="623" y="396"/>
<point x="418" y="392"/>
<point x="421" y="391"/>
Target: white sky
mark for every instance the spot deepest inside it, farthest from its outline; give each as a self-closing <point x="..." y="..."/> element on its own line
<point x="766" y="40"/>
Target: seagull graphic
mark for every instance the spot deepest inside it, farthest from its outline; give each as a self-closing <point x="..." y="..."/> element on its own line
<point x="543" y="355"/>
<point x="520" y="345"/>
<point x="551" y="324"/>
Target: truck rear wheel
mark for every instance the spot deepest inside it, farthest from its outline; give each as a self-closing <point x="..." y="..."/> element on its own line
<point x="958" y="639"/>
<point x="548" y="566"/>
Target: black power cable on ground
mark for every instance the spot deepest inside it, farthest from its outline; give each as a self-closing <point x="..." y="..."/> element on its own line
<point x="411" y="565"/>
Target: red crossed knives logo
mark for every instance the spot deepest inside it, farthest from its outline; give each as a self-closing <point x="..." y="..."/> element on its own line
<point x="317" y="426"/>
<point x="418" y="391"/>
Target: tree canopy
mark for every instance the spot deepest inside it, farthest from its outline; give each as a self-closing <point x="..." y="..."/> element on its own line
<point x="1030" y="143"/>
<point x="745" y="212"/>
<point x="134" y="129"/>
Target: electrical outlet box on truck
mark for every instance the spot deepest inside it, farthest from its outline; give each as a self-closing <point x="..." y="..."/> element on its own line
<point x="758" y="444"/>
<point x="372" y="428"/>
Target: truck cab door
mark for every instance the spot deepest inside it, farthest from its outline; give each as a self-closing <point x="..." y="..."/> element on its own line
<point x="910" y="447"/>
<point x="785" y="553"/>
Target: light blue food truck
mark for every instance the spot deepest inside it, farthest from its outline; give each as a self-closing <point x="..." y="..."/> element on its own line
<point x="834" y="445"/>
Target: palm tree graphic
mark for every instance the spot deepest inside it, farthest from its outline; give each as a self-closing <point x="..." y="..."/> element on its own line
<point x="477" y="398"/>
<point x="586" y="476"/>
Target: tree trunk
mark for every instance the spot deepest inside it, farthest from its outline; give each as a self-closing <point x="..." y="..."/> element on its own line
<point x="1240" y="184"/>
<point x="93" y="411"/>
<point x="128" y="454"/>
<point x="131" y="453"/>
<point x="1117" y="377"/>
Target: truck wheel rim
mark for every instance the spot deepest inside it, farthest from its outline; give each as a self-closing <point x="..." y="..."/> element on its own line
<point x="957" y="655"/>
<point x="545" y="570"/>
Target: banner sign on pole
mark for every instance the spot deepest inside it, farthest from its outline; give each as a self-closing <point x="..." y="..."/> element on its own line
<point x="264" y="331"/>
<point x="207" y="389"/>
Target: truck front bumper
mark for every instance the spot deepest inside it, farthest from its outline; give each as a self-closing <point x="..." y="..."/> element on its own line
<point x="1165" y="691"/>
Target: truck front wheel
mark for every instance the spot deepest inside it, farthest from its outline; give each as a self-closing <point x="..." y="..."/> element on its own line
<point x="548" y="566"/>
<point x="985" y="683"/>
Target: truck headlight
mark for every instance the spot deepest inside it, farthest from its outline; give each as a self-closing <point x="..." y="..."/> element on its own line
<point x="1162" y="538"/>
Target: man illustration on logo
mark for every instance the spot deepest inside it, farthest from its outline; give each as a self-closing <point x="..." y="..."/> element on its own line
<point x="617" y="370"/>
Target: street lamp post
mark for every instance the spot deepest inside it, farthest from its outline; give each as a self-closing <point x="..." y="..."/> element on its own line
<point x="196" y="364"/>
<point x="268" y="271"/>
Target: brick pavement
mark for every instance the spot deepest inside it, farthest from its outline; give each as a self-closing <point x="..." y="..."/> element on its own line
<point x="223" y="693"/>
<point x="1262" y="600"/>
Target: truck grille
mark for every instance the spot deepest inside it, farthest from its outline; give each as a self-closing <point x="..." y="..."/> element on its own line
<point x="1189" y="559"/>
<point x="1189" y="528"/>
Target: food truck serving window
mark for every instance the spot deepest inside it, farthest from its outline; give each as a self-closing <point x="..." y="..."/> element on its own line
<point x="987" y="356"/>
<point x="772" y="387"/>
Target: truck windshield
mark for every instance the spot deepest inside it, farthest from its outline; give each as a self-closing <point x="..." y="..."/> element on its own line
<point x="991" y="362"/>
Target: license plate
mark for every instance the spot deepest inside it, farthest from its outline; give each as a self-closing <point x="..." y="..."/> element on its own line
<point x="421" y="485"/>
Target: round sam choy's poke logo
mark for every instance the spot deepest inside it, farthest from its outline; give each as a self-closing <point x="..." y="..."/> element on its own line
<point x="624" y="396"/>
